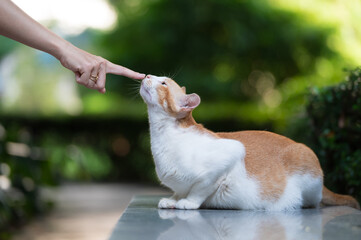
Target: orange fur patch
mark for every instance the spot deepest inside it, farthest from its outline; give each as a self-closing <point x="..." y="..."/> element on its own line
<point x="271" y="158"/>
<point x="168" y="95"/>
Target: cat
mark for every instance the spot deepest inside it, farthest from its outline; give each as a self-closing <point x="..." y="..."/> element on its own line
<point x="256" y="170"/>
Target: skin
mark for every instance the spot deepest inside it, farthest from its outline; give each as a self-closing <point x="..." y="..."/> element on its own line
<point x="17" y="25"/>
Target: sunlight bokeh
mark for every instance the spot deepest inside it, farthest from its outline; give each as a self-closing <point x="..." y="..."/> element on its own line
<point x="71" y="16"/>
<point x="342" y="15"/>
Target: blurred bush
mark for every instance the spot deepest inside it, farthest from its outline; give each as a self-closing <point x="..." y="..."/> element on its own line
<point x="246" y="59"/>
<point x="335" y="114"/>
<point x="23" y="168"/>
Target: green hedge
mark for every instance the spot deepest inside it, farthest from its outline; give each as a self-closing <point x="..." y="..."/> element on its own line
<point x="23" y="168"/>
<point x="335" y="114"/>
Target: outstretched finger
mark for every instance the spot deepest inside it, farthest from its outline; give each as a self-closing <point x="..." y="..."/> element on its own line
<point x="123" y="71"/>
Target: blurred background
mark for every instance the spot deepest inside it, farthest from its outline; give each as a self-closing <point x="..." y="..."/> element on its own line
<point x="286" y="66"/>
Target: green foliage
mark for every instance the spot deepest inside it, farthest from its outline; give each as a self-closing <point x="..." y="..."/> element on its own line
<point x="257" y="56"/>
<point x="6" y="45"/>
<point x="31" y="158"/>
<point x="217" y="44"/>
<point x="77" y="162"/>
<point x="22" y="169"/>
<point x="89" y="148"/>
<point x="336" y="121"/>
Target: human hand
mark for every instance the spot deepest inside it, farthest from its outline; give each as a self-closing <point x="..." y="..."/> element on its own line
<point x="91" y="70"/>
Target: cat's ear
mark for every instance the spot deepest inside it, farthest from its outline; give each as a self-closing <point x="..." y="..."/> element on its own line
<point x="184" y="90"/>
<point x="190" y="102"/>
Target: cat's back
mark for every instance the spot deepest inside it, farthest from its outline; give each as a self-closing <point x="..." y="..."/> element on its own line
<point x="259" y="141"/>
<point x="255" y="136"/>
<point x="269" y="150"/>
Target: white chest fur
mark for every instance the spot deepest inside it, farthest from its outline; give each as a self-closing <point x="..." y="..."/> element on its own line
<point x="181" y="156"/>
<point x="186" y="156"/>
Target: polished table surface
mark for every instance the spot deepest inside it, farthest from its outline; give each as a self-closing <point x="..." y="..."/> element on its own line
<point x="143" y="220"/>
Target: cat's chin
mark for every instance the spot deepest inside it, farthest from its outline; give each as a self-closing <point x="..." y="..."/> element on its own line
<point x="146" y="95"/>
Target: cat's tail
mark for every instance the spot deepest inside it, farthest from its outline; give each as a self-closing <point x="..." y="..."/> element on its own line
<point x="333" y="199"/>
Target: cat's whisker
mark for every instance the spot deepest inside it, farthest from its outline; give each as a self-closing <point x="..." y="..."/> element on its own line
<point x="134" y="90"/>
<point x="136" y="80"/>
<point x="174" y="75"/>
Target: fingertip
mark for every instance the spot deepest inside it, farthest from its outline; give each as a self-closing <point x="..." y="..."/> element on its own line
<point x="136" y="75"/>
<point x="102" y="90"/>
<point x="141" y="76"/>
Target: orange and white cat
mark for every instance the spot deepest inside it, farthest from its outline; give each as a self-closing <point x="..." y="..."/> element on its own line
<point x="235" y="170"/>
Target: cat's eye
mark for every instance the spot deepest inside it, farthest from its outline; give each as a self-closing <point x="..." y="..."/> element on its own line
<point x="164" y="83"/>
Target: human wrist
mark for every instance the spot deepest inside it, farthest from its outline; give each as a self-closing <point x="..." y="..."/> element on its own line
<point x="59" y="48"/>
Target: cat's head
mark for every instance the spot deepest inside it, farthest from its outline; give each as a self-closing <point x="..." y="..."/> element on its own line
<point x="166" y="95"/>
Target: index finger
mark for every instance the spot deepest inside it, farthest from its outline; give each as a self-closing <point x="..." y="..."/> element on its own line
<point x="123" y="71"/>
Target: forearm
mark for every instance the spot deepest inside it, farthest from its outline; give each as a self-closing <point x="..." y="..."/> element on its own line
<point x="89" y="70"/>
<point x="19" y="26"/>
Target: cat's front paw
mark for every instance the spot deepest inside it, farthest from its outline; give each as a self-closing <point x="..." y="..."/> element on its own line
<point x="167" y="203"/>
<point x="186" y="204"/>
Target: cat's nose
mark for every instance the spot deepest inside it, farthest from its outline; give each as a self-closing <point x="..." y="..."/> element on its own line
<point x="148" y="76"/>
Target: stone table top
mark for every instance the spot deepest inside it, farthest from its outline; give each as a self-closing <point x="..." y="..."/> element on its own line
<point x="143" y="220"/>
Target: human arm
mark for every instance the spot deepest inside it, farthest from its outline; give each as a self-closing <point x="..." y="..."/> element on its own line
<point x="17" y="25"/>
